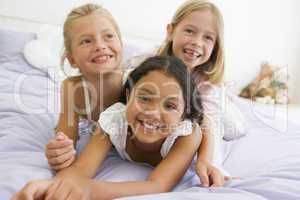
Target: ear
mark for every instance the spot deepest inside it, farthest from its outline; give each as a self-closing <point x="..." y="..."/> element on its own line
<point x="71" y="60"/>
<point x="170" y="30"/>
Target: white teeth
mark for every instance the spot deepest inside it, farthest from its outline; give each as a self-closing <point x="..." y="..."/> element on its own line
<point x="192" y="53"/>
<point x="101" y="59"/>
<point x="149" y="126"/>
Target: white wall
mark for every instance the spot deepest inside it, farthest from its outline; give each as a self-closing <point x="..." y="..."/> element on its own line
<point x="255" y="30"/>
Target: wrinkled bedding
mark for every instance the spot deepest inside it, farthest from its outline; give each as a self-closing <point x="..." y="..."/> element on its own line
<point x="267" y="159"/>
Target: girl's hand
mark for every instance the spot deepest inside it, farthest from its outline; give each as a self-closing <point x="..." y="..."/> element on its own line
<point x="34" y="190"/>
<point x="209" y="175"/>
<point x="60" y="152"/>
<point x="74" y="188"/>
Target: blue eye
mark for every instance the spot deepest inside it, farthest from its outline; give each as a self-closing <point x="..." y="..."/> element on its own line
<point x="85" y="41"/>
<point x="210" y="38"/>
<point x="189" y="31"/>
<point x="109" y="36"/>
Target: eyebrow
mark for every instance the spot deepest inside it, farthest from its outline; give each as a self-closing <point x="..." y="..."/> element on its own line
<point x="145" y="90"/>
<point x="209" y="32"/>
<point x="173" y="98"/>
<point x="88" y="34"/>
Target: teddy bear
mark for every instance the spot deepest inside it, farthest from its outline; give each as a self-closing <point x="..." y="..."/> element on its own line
<point x="269" y="87"/>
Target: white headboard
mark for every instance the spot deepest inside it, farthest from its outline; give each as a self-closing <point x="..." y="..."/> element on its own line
<point x="255" y="30"/>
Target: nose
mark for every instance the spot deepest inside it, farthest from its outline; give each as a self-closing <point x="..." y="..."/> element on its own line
<point x="197" y="41"/>
<point x="100" y="45"/>
<point x="153" y="111"/>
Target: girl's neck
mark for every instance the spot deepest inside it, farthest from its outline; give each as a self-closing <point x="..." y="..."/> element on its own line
<point x="144" y="147"/>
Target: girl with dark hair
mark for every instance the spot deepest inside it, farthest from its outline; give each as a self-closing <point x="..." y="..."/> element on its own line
<point x="160" y="104"/>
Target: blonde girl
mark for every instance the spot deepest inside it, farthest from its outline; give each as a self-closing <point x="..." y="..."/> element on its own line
<point x="195" y="35"/>
<point x="93" y="45"/>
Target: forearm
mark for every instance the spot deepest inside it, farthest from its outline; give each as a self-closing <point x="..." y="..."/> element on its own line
<point x="91" y="157"/>
<point x="111" y="190"/>
<point x="74" y="170"/>
<point x="206" y="148"/>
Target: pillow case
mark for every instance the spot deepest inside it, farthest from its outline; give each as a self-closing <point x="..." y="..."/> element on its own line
<point x="12" y="44"/>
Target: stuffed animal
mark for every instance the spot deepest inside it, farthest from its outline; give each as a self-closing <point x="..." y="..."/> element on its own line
<point x="269" y="87"/>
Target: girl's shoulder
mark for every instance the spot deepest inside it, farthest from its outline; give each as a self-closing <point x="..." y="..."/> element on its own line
<point x="72" y="81"/>
<point x="112" y="121"/>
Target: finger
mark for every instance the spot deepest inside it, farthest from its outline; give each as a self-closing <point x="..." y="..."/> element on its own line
<point x="59" y="151"/>
<point x="22" y="196"/>
<point x="15" y="197"/>
<point x="52" y="189"/>
<point x="64" y="165"/>
<point x="60" y="136"/>
<point x="32" y="190"/>
<point x="63" y="191"/>
<point x="217" y="179"/>
<point x="202" y="173"/>
<point x="227" y="178"/>
<point x="55" y="144"/>
<point x="74" y="195"/>
<point x="61" y="159"/>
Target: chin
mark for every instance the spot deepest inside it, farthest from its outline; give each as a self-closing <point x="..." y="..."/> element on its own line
<point x="146" y="138"/>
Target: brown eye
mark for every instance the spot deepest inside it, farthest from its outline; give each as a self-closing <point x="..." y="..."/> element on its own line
<point x="143" y="98"/>
<point x="170" y="106"/>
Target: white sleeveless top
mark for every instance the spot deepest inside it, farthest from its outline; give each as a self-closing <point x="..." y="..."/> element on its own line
<point x="113" y="122"/>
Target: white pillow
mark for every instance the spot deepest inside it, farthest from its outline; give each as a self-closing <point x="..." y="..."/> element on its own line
<point x="45" y="52"/>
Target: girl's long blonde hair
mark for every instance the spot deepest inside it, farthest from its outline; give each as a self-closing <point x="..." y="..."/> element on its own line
<point x="213" y="69"/>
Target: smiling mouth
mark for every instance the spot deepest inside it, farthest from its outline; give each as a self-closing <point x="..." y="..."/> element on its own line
<point x="192" y="53"/>
<point x="150" y="127"/>
<point x="101" y="59"/>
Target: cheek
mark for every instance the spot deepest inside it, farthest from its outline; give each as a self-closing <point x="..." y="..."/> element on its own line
<point x="178" y="44"/>
<point x="209" y="49"/>
<point x="131" y="111"/>
<point x="117" y="46"/>
<point x="172" y="118"/>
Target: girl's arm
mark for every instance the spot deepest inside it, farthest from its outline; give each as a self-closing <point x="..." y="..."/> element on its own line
<point x="68" y="118"/>
<point x="91" y="157"/>
<point x="68" y="180"/>
<point x="162" y="179"/>
<point x="209" y="175"/>
<point x="206" y="148"/>
<point x="60" y="150"/>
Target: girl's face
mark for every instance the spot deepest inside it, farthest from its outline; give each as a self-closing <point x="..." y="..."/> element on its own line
<point x="95" y="45"/>
<point x="194" y="38"/>
<point x="155" y="107"/>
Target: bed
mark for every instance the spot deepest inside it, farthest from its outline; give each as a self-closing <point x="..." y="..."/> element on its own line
<point x="267" y="159"/>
